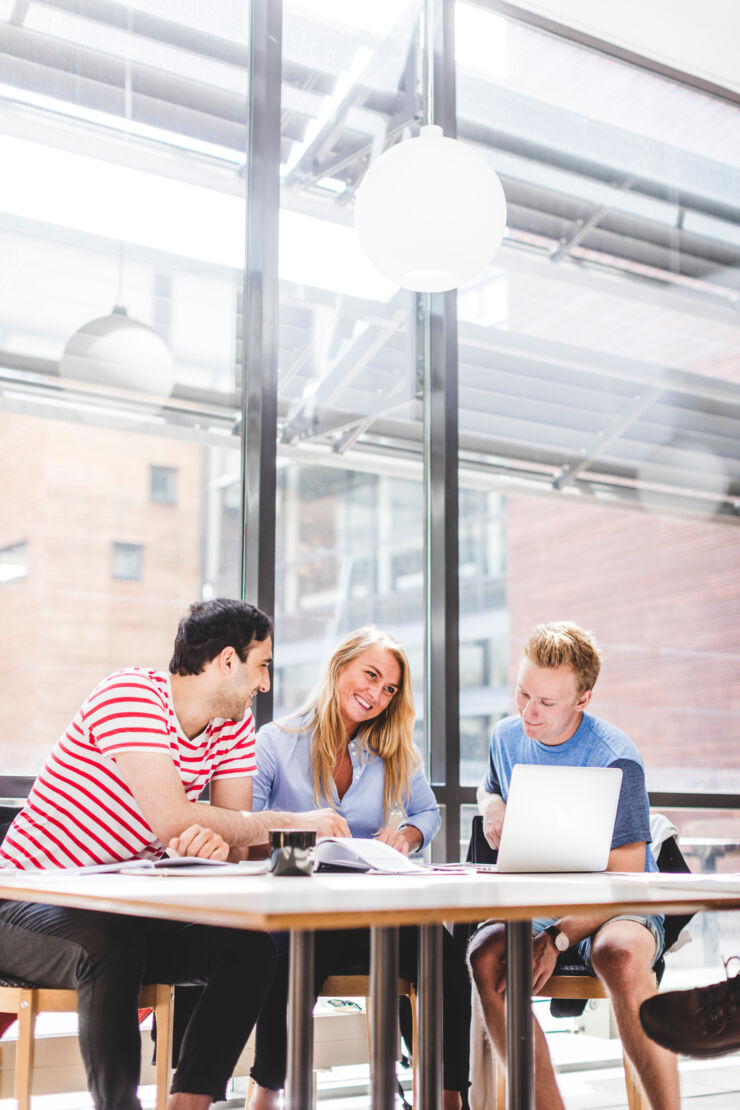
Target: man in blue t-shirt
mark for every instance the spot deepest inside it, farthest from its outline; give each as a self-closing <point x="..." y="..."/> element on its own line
<point x="559" y="667"/>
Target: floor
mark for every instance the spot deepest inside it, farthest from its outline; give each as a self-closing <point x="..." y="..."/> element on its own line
<point x="705" y="1085"/>
<point x="586" y="1052"/>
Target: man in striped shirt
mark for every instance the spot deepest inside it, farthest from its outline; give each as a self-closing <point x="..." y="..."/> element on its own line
<point x="122" y="783"/>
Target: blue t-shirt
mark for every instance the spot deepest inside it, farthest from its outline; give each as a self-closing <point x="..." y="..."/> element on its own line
<point x="595" y="743"/>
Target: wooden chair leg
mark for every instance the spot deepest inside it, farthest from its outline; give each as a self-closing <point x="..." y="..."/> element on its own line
<point x="250" y="1091"/>
<point x="414" y="1041"/>
<point x="636" y="1098"/>
<point x="500" y="1086"/>
<point x="24" y="1048"/>
<point x="164" y="1011"/>
<point x="367" y="1030"/>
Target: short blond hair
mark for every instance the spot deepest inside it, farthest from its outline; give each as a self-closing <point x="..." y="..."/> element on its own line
<point x="564" y="644"/>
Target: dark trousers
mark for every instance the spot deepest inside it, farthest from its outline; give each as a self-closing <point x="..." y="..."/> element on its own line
<point x="106" y="958"/>
<point x="347" y="951"/>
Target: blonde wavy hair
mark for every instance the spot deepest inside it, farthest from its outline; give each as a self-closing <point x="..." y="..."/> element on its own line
<point x="389" y="735"/>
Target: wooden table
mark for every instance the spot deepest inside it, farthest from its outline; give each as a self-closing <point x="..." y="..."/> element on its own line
<point x="384" y="902"/>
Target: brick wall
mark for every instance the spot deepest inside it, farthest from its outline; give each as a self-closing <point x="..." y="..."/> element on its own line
<point x="71" y="490"/>
<point x="662" y="597"/>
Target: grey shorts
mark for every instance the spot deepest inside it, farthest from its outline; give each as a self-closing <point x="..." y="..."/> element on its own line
<point x="580" y="953"/>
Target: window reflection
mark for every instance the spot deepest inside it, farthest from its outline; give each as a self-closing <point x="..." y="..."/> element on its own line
<point x="599" y="406"/>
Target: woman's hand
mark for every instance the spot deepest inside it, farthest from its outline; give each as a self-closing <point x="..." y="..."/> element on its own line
<point x="405" y="840"/>
<point x="326" y="822"/>
<point x="199" y="841"/>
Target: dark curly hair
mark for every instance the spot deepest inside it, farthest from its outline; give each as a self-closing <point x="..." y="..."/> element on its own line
<point x="210" y="626"/>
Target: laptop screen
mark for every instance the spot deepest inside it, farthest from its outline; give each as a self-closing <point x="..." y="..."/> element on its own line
<point x="559" y="818"/>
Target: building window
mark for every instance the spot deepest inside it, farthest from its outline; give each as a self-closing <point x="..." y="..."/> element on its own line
<point x="163" y="484"/>
<point x="14" y="561"/>
<point x="127" y="559"/>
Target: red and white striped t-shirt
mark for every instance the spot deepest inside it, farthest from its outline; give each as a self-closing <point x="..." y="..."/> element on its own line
<point x="80" y="810"/>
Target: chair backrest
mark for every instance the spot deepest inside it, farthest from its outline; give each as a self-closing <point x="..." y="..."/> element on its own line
<point x="670" y="858"/>
<point x="479" y="850"/>
<point x="7" y="816"/>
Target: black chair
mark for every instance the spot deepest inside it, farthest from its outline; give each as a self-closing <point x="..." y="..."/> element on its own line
<point x="583" y="983"/>
<point x="670" y="859"/>
<point x="7" y="816"/>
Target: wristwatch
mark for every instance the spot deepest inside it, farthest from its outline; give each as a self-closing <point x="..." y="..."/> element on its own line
<point x="560" y="940"/>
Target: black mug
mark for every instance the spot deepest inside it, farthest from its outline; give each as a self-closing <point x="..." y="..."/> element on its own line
<point x="291" y="851"/>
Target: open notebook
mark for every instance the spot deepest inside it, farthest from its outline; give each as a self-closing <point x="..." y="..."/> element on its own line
<point x="167" y="865"/>
<point x="354" y="853"/>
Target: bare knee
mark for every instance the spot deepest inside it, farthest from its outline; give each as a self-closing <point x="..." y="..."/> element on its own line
<point x="487" y="955"/>
<point x="617" y="964"/>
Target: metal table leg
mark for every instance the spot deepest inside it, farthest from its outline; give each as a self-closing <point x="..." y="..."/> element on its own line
<point x="299" y="1080"/>
<point x="428" y="1068"/>
<point x="383" y="1016"/>
<point x="519" y="1044"/>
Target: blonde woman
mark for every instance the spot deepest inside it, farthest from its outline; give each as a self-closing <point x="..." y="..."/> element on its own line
<point x="351" y="747"/>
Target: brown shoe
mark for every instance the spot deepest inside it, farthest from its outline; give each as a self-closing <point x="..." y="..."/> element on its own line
<point x="703" y="1021"/>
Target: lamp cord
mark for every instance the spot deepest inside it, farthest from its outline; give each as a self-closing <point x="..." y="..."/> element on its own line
<point x="118" y="306"/>
<point x="429" y="60"/>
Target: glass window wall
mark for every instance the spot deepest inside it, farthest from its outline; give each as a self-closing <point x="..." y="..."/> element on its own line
<point x="599" y="390"/>
<point x="122" y="142"/>
<point x="350" y="501"/>
<point x="599" y="403"/>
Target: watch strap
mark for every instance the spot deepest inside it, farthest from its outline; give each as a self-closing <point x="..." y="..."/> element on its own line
<point x="553" y="932"/>
<point x="559" y="939"/>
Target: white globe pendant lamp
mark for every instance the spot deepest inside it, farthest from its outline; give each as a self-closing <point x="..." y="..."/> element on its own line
<point x="117" y="351"/>
<point x="430" y="212"/>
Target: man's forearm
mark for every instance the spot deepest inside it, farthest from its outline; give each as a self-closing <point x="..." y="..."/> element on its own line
<point x="241" y="829"/>
<point x="577" y="928"/>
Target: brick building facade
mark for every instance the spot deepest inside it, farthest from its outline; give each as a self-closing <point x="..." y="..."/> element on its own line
<point x="71" y="492"/>
<point x="662" y="596"/>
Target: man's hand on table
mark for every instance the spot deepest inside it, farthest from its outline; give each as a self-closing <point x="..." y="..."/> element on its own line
<point x="199" y="841"/>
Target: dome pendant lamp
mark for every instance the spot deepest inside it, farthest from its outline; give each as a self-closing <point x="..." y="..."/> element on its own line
<point x="430" y="212"/>
<point x="117" y="351"/>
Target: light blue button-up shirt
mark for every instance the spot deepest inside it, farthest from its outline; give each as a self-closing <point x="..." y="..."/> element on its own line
<point x="284" y="781"/>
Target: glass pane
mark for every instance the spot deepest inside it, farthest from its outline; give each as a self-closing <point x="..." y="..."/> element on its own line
<point x="599" y="392"/>
<point x="350" y="501"/>
<point x="484" y="697"/>
<point x="14" y="561"/>
<point x="710" y="843"/>
<point x="122" y="141"/>
<point x="127" y="561"/>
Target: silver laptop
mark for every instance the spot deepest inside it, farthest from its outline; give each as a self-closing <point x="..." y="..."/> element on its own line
<point x="559" y="818"/>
